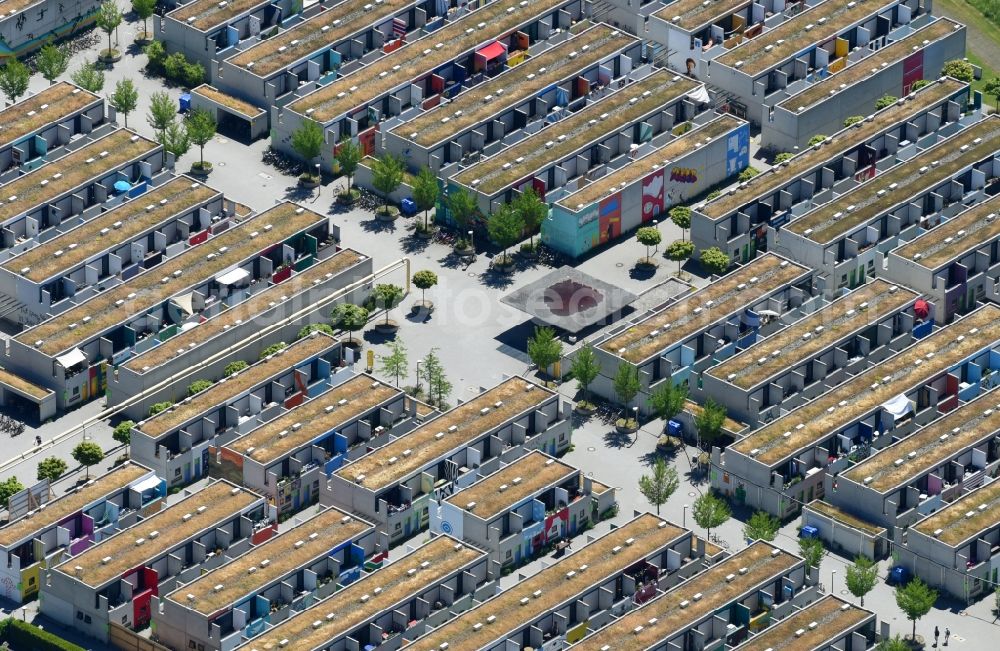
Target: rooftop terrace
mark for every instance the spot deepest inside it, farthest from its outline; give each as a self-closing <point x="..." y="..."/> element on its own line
<point x="677" y="609"/>
<point x="929" y="446"/>
<point x="813" y="627"/>
<point x="18" y="382"/>
<point x="344" y="403"/>
<point x="65" y="506"/>
<point x="691" y="14"/>
<point x="111" y="229"/>
<point x="824" y="90"/>
<point x="551" y="586"/>
<point x="808" y="337"/>
<point x="598" y="120"/>
<point x="230" y="102"/>
<point x="639" y="168"/>
<point x="146" y="291"/>
<point x="269" y="562"/>
<point x="94" y="160"/>
<point x="853" y="399"/>
<point x="845" y="518"/>
<point x="920" y="174"/>
<point x="224" y="390"/>
<point x="9" y="7"/>
<point x="160" y="534"/>
<point x="964" y="518"/>
<point x="401" y="66"/>
<point x="206" y="14"/>
<point x="327" y="28"/>
<point x="968" y="230"/>
<point x="515" y="85"/>
<point x="341" y="613"/>
<point x="509" y="486"/>
<point x="845" y="139"/>
<point x="255" y="305"/>
<point x="44" y="107"/>
<point x="415" y="450"/>
<point x="811" y="27"/>
<point x="755" y="280"/>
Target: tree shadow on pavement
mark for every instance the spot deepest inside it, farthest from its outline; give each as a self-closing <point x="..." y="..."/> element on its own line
<point x="497" y="279"/>
<point x="412" y="244"/>
<point x="616" y="439"/>
<point x="375" y="225"/>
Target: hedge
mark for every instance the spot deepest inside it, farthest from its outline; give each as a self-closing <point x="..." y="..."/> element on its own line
<point x="22" y="635"/>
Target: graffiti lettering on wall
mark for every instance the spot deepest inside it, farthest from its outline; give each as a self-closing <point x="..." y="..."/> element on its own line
<point x="684" y="175"/>
<point x="652" y="195"/>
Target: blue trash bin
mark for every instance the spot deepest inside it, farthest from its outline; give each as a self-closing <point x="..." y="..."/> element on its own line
<point x="184" y="103"/>
<point x="408" y="206"/>
<point x="675" y="428"/>
<point x="809" y="531"/>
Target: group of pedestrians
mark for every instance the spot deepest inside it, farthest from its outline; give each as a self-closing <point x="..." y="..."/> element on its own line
<point x="937" y="634"/>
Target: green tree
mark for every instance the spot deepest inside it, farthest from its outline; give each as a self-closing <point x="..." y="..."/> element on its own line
<point x="626" y="383"/>
<point x="915" y="599"/>
<point x="679" y="251"/>
<point x="8" y="488"/>
<point x="51" y="61"/>
<point x="14" y="77"/>
<point x="125" y="98"/>
<point x="681" y="217"/>
<point x="438" y="386"/>
<point x="854" y="119"/>
<point x="708" y="421"/>
<point x="747" y="174"/>
<point x="532" y="211"/>
<point x="815" y="140"/>
<point x="668" y="400"/>
<point x="714" y="260"/>
<point x="156" y="56"/>
<point x="893" y="644"/>
<point x="885" y="102"/>
<point x="861" y="577"/>
<point x="959" y="69"/>
<point x="88" y="77"/>
<point x="144" y="9"/>
<point x="272" y="349"/>
<point x="658" y="487"/>
<point x="396" y="362"/>
<point x="505" y="227"/>
<point x="992" y="88"/>
<point x="161" y="113"/>
<point x="176" y="140"/>
<point x="305" y="331"/>
<point x="386" y="297"/>
<point x="782" y="157"/>
<point x="715" y="194"/>
<point x="349" y="317"/>
<point x="348" y="157"/>
<point x="109" y="17"/>
<point x="387" y="174"/>
<point x="232" y="368"/>
<point x="811" y="550"/>
<point x="426" y="192"/>
<point x="648" y="236"/>
<point x="307" y="141"/>
<point x="201" y="129"/>
<point x="198" y="386"/>
<point x="87" y="454"/>
<point x="585" y="368"/>
<point x="160" y="407"/>
<point x="424" y="280"/>
<point x="123" y="432"/>
<point x="710" y="512"/>
<point x="761" y="526"/>
<point x="461" y="206"/>
<point x="918" y="84"/>
<point x="544" y="348"/>
<point x="51" y="468"/>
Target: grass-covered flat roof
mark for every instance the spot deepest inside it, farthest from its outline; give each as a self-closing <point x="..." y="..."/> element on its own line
<point x="512" y="484"/>
<point x="160" y="533"/>
<point x="343" y="403"/>
<point x="19" y="383"/>
<point x="269" y="562"/>
<point x="413" y="451"/>
<point x="598" y="120"/>
<point x="648" y="534"/>
<point x="327" y="28"/>
<point x="844" y="518"/>
<point x="899" y="184"/>
<point x="209" y="13"/>
<point x="815" y="333"/>
<point x="816" y="25"/>
<point x="692" y="14"/>
<point x="853" y="399"/>
<point x="844" y="140"/>
<point x="814" y="627"/>
<point x="964" y="518"/>
<point x="668" y="154"/>
<point x="92" y="161"/>
<point x="230" y="102"/>
<point x="823" y="91"/>
<point x="63" y="507"/>
<point x="515" y="86"/>
<point x="342" y="612"/>
<point x="244" y="311"/>
<point x="147" y="290"/>
<point x="45" y="107"/>
<point x="111" y="229"/>
<point x="930" y="446"/>
<point x="755" y="280"/>
<point x="225" y="390"/>
<point x="678" y="609"/>
<point x="8" y="7"/>
<point x="969" y="230"/>
<point x="422" y="56"/>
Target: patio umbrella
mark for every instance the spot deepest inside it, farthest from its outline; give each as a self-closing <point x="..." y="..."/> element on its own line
<point x="122" y="186"/>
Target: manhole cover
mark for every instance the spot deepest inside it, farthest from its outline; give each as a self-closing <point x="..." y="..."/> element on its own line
<point x="590" y="474"/>
<point x="844" y="592"/>
<point x="692" y="494"/>
<point x="264" y="176"/>
<point x="620" y="264"/>
<point x="471" y="275"/>
<point x="222" y="164"/>
<point x="591" y="449"/>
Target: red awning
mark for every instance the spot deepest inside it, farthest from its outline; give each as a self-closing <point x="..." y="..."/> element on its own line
<point x="921" y="308"/>
<point x="492" y="51"/>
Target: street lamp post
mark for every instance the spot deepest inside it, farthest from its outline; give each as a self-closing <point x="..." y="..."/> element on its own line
<point x="419" y="362"/>
<point x="833" y="575"/>
<point x="319" y="179"/>
<point x="684" y="517"/>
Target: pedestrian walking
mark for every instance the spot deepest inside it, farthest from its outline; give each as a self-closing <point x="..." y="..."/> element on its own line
<point x="936" y="635"/>
<point x="947" y="634"/>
